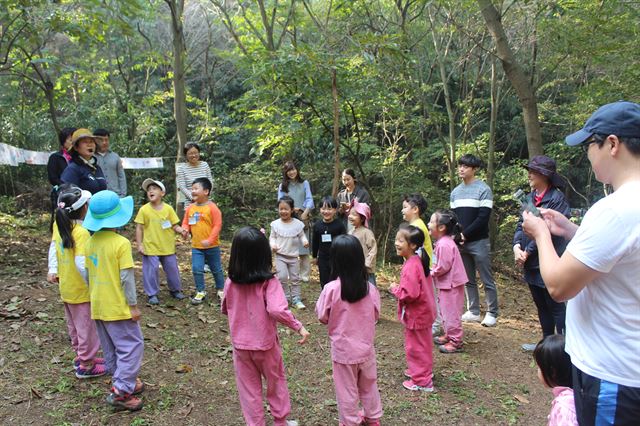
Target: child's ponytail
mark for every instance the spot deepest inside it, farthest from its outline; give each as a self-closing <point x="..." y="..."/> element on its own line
<point x="450" y="221"/>
<point x="65" y="227"/>
<point x="71" y="205"/>
<point x="416" y="237"/>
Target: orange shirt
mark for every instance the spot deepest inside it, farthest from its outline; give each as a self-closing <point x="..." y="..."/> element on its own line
<point x="204" y="222"/>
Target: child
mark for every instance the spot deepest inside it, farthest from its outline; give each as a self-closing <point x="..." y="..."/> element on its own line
<point x="203" y="220"/>
<point x="287" y="234"/>
<point x="67" y="267"/>
<point x="554" y="371"/>
<point x="155" y="224"/>
<point x="449" y="277"/>
<point x="324" y="231"/>
<point x="416" y="309"/>
<point x="254" y="302"/>
<point x="359" y="219"/>
<point x="113" y="296"/>
<point x="350" y="306"/>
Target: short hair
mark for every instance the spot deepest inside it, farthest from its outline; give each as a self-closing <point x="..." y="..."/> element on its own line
<point x="64" y="133"/>
<point x="329" y="201"/>
<point x="351" y="173"/>
<point x="470" y="160"/>
<point x="190" y="145"/>
<point x="553" y="361"/>
<point x="347" y="263"/>
<point x="250" y="257"/>
<point x="101" y="132"/>
<point x="417" y="200"/>
<point x="286" y="199"/>
<point x="204" y="182"/>
<point x="632" y="144"/>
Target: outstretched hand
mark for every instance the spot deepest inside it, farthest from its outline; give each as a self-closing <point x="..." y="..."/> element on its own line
<point x="305" y="335"/>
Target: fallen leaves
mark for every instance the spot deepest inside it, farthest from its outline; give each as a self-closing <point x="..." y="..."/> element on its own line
<point x="184" y="368"/>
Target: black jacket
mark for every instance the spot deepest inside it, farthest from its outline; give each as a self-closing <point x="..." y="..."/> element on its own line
<point x="55" y="166"/>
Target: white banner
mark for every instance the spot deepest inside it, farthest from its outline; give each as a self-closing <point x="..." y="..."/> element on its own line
<point x="142" y="163"/>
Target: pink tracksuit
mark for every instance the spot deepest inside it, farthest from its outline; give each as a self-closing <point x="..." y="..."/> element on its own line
<point x="417" y="311"/>
<point x="352" y="329"/>
<point x="450" y="277"/>
<point x="253" y="311"/>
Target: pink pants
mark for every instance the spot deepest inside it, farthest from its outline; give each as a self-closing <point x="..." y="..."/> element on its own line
<point x="82" y="330"/>
<point x="353" y="383"/>
<point x="250" y="367"/>
<point x="418" y="349"/>
<point x="451" y="301"/>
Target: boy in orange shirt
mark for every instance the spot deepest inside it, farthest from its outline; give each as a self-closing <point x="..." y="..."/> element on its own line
<point x="203" y="220"/>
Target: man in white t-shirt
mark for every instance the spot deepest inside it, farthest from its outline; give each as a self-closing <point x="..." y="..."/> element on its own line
<point x="599" y="273"/>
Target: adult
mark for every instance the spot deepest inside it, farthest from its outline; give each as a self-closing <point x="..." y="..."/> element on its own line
<point x="472" y="202"/>
<point x="352" y="192"/>
<point x="189" y="171"/>
<point x="300" y="191"/>
<point x="545" y="193"/>
<point x="598" y="272"/>
<point x="83" y="169"/>
<point x="110" y="163"/>
<point x="58" y="161"/>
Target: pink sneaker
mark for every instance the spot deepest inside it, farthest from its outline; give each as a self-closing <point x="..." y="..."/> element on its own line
<point x="97" y="360"/>
<point x="86" y="373"/>
<point x="450" y="348"/>
<point x="409" y="385"/>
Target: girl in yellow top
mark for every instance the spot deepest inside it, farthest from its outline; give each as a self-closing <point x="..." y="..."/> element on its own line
<point x="113" y="296"/>
<point x="67" y="267"/>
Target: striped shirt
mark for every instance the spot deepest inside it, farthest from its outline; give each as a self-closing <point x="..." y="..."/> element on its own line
<point x="472" y="204"/>
<point x="185" y="176"/>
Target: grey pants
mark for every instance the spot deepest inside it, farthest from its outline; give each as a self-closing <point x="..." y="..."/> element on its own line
<point x="288" y="268"/>
<point x="477" y="255"/>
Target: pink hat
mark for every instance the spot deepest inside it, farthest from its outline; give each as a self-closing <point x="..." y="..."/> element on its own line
<point x="364" y="210"/>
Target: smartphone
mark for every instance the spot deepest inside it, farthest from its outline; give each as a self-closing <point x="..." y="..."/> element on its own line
<point x="526" y="203"/>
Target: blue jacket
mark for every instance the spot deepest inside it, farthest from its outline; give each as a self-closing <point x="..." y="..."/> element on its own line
<point x="81" y="174"/>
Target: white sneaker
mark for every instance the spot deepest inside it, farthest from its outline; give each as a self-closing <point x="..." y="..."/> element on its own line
<point x="220" y="294"/>
<point x="299" y="305"/>
<point x="198" y="298"/>
<point x="292" y="423"/>
<point x="489" y="320"/>
<point x="470" y="317"/>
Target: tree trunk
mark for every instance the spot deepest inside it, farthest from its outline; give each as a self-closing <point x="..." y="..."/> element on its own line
<point x="516" y="75"/>
<point x="336" y="134"/>
<point x="179" y="94"/>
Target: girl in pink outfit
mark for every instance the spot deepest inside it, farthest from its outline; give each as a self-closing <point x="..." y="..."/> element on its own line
<point x="416" y="308"/>
<point x="554" y="371"/>
<point x="350" y="306"/>
<point x="254" y="302"/>
<point x="449" y="276"/>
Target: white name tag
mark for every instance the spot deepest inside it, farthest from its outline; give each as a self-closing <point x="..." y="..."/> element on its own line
<point x="193" y="220"/>
<point x="326" y="238"/>
<point x="166" y="224"/>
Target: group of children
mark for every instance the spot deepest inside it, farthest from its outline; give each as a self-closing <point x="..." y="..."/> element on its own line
<point x="105" y="312"/>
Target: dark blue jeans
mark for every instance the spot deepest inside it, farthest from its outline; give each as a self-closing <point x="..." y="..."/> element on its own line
<point x="212" y="257"/>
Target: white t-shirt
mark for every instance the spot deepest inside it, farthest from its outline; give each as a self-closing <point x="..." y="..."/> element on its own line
<point x="603" y="320"/>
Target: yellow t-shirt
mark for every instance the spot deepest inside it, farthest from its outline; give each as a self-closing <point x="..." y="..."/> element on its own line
<point x="73" y="288"/>
<point x="204" y="222"/>
<point x="419" y="223"/>
<point x="159" y="238"/>
<point x="106" y="254"/>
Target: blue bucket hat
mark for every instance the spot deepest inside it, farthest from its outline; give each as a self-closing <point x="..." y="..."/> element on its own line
<point x="107" y="210"/>
<point x="620" y="118"/>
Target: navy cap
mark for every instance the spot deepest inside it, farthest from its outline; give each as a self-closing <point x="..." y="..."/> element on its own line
<point x="620" y="118"/>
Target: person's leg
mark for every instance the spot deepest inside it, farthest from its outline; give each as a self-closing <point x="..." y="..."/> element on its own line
<point x="418" y="348"/>
<point x="437" y="328"/>
<point x="215" y="263"/>
<point x="171" y="270"/>
<point x="451" y="302"/>
<point x="150" y="275"/>
<point x="372" y="279"/>
<point x="197" y="267"/>
<point x="71" y="327"/>
<point x="294" y="279"/>
<point x="88" y="341"/>
<point x="471" y="288"/>
<point x="544" y="313"/>
<point x="129" y="345"/>
<point x="345" y="380"/>
<point x="108" y="347"/>
<point x="481" y="251"/>
<point x="305" y="267"/>
<point x="368" y="391"/>
<point x="324" y="270"/>
<point x="282" y="272"/>
<point x="271" y="366"/>
<point x="558" y="311"/>
<point x="249" y="384"/>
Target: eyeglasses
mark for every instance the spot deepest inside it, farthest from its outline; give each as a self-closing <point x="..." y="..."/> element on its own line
<point x="585" y="145"/>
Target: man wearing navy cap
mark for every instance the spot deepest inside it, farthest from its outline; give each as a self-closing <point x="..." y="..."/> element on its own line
<point x="599" y="273"/>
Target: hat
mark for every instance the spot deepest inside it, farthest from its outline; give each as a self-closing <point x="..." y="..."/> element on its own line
<point x="547" y="167"/>
<point x="107" y="210"/>
<point x="80" y="134"/>
<point x="150" y="181"/>
<point x="83" y="197"/>
<point x="620" y="118"/>
<point x="364" y="210"/>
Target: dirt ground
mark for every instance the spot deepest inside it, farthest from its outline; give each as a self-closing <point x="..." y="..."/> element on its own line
<point x="187" y="362"/>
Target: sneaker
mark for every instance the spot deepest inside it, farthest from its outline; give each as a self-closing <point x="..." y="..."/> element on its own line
<point x="489" y="320"/>
<point x="199" y="298"/>
<point x="178" y="295"/>
<point x="76" y="362"/>
<point x="440" y="340"/>
<point x="139" y="388"/>
<point x="220" y="294"/>
<point x="528" y="347"/>
<point x="450" y="348"/>
<point x="299" y="305"/>
<point x="86" y="373"/>
<point x="292" y="423"/>
<point x="207" y="268"/>
<point x="409" y="385"/>
<point x="153" y="300"/>
<point x="437" y="330"/>
<point x="406" y="374"/>
<point x="123" y="401"/>
<point x="470" y="317"/>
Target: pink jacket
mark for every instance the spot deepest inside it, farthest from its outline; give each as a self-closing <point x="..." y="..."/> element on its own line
<point x="416" y="303"/>
<point x="563" y="408"/>
<point x="253" y="311"/>
<point x="352" y="326"/>
<point x="448" y="270"/>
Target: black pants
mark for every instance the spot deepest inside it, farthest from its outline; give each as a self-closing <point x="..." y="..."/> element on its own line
<point x="551" y="314"/>
<point x="324" y="269"/>
<point x="599" y="402"/>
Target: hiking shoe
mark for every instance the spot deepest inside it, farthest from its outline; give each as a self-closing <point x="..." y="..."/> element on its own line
<point x="198" y="298"/>
<point x="450" y="348"/>
<point x="153" y="300"/>
<point x="139" y="388"/>
<point x="470" y="317"/>
<point x="178" y="295"/>
<point x="440" y="340"/>
<point x="86" y="373"/>
<point x="123" y="401"/>
<point x="220" y="294"/>
<point x="409" y="385"/>
<point x="489" y="320"/>
<point x="528" y="347"/>
<point x="299" y="305"/>
<point x="76" y="362"/>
